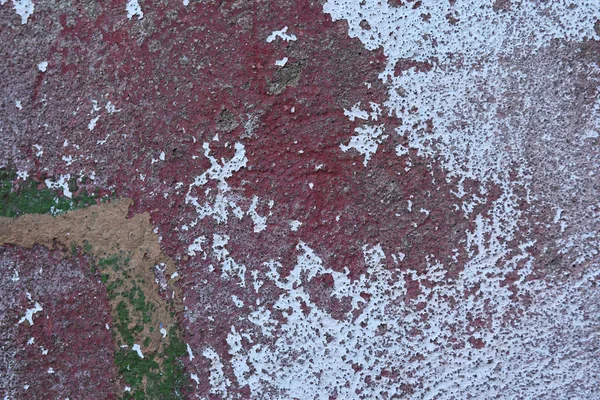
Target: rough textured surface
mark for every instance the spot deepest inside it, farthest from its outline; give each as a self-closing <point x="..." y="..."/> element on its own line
<point x="374" y="199"/>
<point x="64" y="350"/>
<point x="139" y="279"/>
<point x="105" y="230"/>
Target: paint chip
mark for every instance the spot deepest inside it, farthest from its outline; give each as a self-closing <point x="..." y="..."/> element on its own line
<point x="282" y="35"/>
<point x="29" y="314"/>
<point x="24" y="8"/>
<point x="92" y="123"/>
<point x="133" y="8"/>
<point x="136" y="347"/>
<point x="189" y="350"/>
<point x="294" y="225"/>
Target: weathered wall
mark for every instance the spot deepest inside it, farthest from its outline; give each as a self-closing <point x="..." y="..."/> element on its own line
<point x="363" y="199"/>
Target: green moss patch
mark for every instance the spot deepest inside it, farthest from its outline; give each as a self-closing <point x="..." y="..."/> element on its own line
<point x="32" y="198"/>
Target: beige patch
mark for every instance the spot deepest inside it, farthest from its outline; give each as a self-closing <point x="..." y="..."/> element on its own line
<point x="108" y="231"/>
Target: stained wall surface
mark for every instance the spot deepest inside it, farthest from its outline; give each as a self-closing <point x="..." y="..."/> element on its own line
<point x="339" y="199"/>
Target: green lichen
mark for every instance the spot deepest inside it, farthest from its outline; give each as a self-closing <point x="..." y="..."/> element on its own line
<point x="87" y="247"/>
<point x="123" y="323"/>
<point x="156" y="376"/>
<point x="74" y="249"/>
<point x="116" y="261"/>
<point x="30" y="197"/>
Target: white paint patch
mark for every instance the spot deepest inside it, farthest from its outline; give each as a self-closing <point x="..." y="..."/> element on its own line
<point x="229" y="266"/>
<point x="373" y="255"/>
<point x="61" y="183"/>
<point x="447" y="95"/>
<point x="189" y="350"/>
<point x="22" y="175"/>
<point x="558" y="215"/>
<point x="260" y="222"/>
<point x="237" y="301"/>
<point x="401" y="150"/>
<point x="43" y="66"/>
<point x="136" y="347"/>
<point x="217" y="379"/>
<point x="357" y="112"/>
<point x="217" y="172"/>
<point x="92" y="123"/>
<point x="315" y="354"/>
<point x="110" y="108"/>
<point x="67" y="159"/>
<point x="133" y="8"/>
<point x="24" y="8"/>
<point x="196" y="247"/>
<point x="29" y="314"/>
<point x="282" y="35"/>
<point x="282" y="62"/>
<point x="294" y="225"/>
<point x="366" y="142"/>
<point x="256" y="283"/>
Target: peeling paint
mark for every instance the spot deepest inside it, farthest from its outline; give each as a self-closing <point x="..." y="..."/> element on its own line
<point x="24" y="8"/>
<point x="133" y="8"/>
<point x="29" y="314"/>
